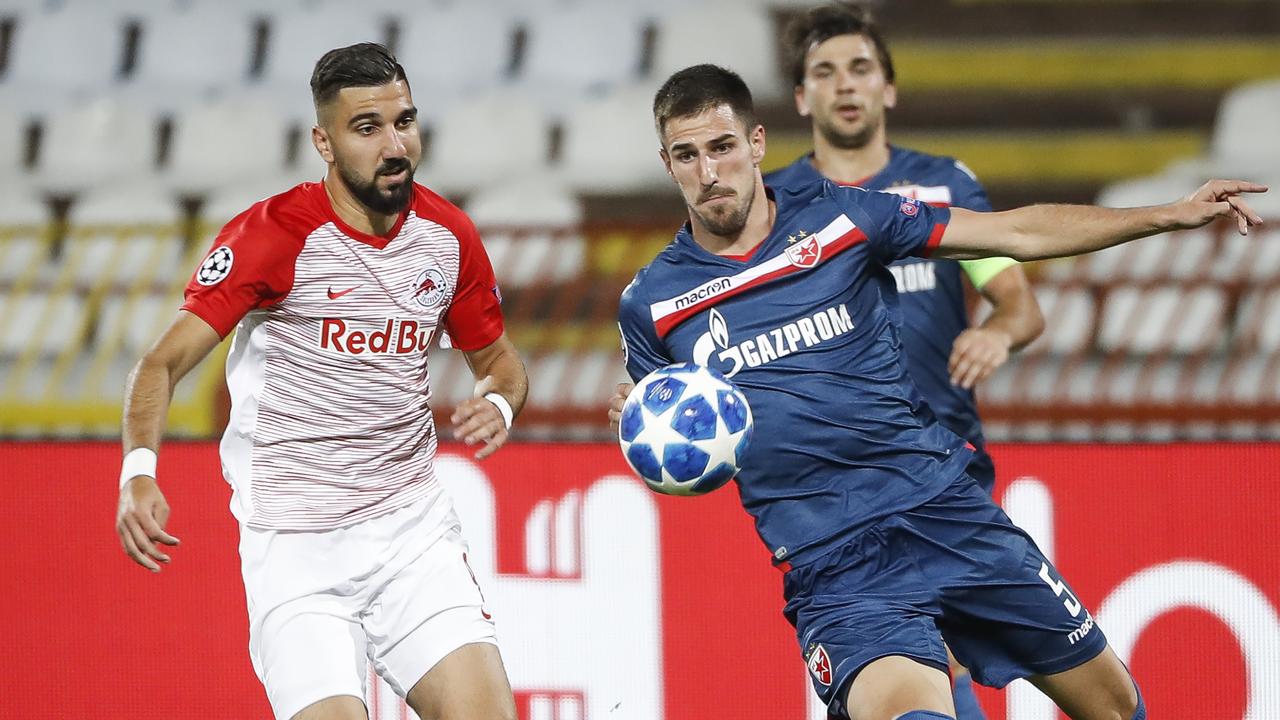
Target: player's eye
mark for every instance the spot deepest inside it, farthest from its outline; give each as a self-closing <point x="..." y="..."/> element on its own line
<point x="684" y="156"/>
<point x="406" y="122"/>
<point x="366" y="129"/>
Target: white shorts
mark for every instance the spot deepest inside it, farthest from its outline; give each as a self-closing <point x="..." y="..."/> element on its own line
<point x="394" y="592"/>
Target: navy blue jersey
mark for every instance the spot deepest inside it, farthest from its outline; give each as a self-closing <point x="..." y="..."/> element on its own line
<point x="930" y="292"/>
<point x="842" y="438"/>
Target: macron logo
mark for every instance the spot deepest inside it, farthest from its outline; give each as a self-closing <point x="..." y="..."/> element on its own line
<point x="711" y="289"/>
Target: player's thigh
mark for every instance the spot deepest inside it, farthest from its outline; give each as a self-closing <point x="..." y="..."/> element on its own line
<point x="1006" y="611"/>
<point x="861" y="603"/>
<point x="1100" y="689"/>
<point x="432" y="608"/>
<point x="890" y="686"/>
<point x="470" y="683"/>
<point x="341" y="707"/>
<point x="308" y="654"/>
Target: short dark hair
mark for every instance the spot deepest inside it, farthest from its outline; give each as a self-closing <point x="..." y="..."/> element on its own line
<point x="699" y="88"/>
<point x="359" y="65"/>
<point x="824" y="22"/>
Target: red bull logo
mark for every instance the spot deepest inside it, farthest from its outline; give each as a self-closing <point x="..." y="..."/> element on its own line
<point x="396" y="337"/>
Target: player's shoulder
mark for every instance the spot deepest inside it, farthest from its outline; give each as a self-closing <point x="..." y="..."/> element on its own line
<point x="666" y="268"/>
<point x="927" y="167"/>
<point x="282" y="221"/>
<point x="431" y="206"/>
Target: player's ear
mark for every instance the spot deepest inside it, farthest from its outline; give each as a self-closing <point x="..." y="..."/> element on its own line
<point x="666" y="161"/>
<point x="320" y="139"/>
<point x="890" y="96"/>
<point x="757" y="145"/>
<point x="802" y="102"/>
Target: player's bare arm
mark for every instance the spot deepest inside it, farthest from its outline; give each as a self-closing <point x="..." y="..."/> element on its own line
<point x="1048" y="231"/>
<point x="498" y="371"/>
<point x="1014" y="321"/>
<point x="142" y="511"/>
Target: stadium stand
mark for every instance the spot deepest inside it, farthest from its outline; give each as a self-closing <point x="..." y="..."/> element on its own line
<point x="158" y="120"/>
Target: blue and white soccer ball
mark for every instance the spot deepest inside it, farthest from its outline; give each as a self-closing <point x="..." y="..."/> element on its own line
<point x="684" y="429"/>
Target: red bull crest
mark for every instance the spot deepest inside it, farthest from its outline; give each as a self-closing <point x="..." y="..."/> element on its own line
<point x="429" y="288"/>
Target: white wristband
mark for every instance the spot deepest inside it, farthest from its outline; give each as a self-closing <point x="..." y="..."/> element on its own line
<point x="139" y="461"/>
<point x="503" y="406"/>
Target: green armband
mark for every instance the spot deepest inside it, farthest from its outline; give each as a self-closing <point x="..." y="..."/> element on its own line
<point x="981" y="271"/>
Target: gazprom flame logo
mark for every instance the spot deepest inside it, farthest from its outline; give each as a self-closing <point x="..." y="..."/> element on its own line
<point x="767" y="346"/>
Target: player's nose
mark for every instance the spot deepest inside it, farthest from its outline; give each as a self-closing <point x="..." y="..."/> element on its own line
<point x="707" y="171"/>
<point x="395" y="147"/>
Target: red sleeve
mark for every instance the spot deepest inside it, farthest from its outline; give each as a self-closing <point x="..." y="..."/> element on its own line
<point x="249" y="266"/>
<point x="474" y="318"/>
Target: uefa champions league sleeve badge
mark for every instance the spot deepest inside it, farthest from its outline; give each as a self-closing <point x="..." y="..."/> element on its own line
<point x="216" y="267"/>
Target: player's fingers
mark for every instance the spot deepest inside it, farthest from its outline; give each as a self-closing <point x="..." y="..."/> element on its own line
<point x="1242" y="186"/>
<point x="977" y="373"/>
<point x="620" y="397"/>
<point x="155" y="531"/>
<point x="462" y="412"/>
<point x="480" y="427"/>
<point x="1244" y="212"/>
<point x="133" y="547"/>
<point x="962" y="369"/>
<point x="142" y="537"/>
<point x="492" y="444"/>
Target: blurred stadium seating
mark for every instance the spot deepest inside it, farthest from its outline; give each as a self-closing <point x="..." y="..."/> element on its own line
<point x="131" y="129"/>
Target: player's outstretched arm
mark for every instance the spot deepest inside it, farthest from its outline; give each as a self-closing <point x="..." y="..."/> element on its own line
<point x="501" y="388"/>
<point x="1047" y="231"/>
<point x="1014" y="322"/>
<point x="142" y="510"/>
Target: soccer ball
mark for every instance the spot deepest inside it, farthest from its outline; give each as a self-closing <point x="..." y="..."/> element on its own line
<point x="684" y="429"/>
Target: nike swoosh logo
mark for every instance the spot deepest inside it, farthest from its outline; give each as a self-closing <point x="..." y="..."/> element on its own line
<point x="335" y="295"/>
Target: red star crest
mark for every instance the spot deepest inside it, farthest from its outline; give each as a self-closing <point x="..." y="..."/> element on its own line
<point x="806" y="253"/>
<point x="820" y="665"/>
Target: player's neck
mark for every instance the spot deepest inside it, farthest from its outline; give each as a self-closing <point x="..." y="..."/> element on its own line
<point x="850" y="166"/>
<point x="758" y="226"/>
<point x="353" y="212"/>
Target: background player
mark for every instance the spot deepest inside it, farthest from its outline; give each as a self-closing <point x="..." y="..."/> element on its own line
<point x="351" y="552"/>
<point x="862" y="499"/>
<point x="843" y="79"/>
<point x="844" y="82"/>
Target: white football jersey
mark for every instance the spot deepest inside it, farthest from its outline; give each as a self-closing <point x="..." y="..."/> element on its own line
<point x="330" y="416"/>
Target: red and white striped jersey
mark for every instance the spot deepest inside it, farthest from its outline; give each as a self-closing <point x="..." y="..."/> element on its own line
<point x="330" y="416"/>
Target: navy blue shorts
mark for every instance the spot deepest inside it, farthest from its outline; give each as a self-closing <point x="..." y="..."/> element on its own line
<point x="955" y="568"/>
<point x="983" y="470"/>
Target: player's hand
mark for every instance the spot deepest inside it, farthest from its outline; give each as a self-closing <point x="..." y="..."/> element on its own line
<point x="1219" y="198"/>
<point x="140" y="520"/>
<point x="616" y="402"/>
<point x="479" y="421"/>
<point x="976" y="353"/>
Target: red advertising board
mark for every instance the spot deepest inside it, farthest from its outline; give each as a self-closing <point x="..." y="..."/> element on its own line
<point x="614" y="603"/>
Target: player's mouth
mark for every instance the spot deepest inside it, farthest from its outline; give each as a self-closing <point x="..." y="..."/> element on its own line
<point x="709" y="199"/>
<point x="394" y="172"/>
<point x="849" y="113"/>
